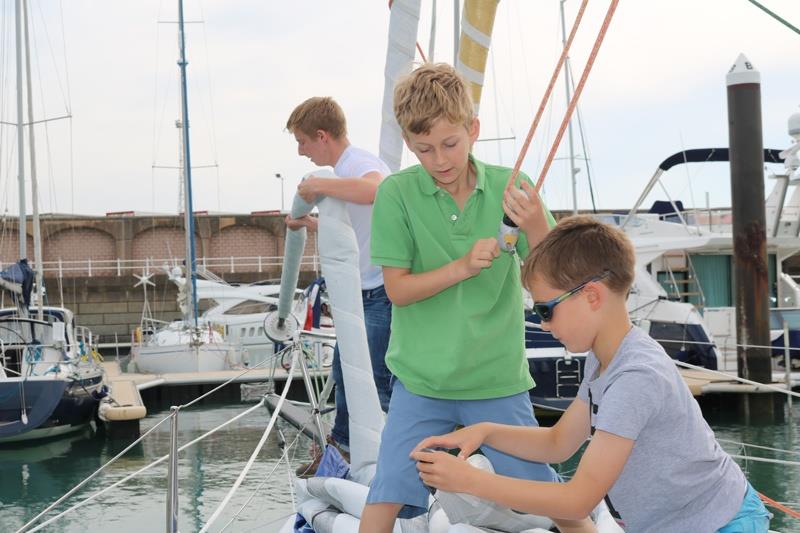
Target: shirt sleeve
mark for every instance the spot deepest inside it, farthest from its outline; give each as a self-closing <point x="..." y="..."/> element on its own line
<point x="392" y="242"/>
<point x="364" y="167"/>
<point x="589" y="367"/>
<point x="630" y="402"/>
<point x="522" y="243"/>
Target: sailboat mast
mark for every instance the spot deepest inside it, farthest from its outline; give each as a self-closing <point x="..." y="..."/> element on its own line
<point x="37" y="232"/>
<point x="191" y="277"/>
<point x="23" y="252"/>
<point x="572" y="169"/>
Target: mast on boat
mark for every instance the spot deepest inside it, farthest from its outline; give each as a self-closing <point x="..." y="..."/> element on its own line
<point x="191" y="275"/>
<point x="37" y="232"/>
<point x="23" y="252"/>
<point x="22" y="25"/>
<point x="572" y="170"/>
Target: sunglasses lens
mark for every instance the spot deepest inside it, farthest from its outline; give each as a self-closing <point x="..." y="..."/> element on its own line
<point x="543" y="310"/>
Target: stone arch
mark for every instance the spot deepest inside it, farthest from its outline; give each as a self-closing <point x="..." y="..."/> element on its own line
<point x="76" y="246"/>
<point x="9" y="246"/>
<point x="162" y="242"/>
<point x="243" y="241"/>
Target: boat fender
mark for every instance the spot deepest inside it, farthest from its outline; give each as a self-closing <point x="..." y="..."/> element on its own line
<point x="100" y="393"/>
<point x="137" y="335"/>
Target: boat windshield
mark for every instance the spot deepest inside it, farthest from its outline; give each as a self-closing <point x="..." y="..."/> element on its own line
<point x="780" y="315"/>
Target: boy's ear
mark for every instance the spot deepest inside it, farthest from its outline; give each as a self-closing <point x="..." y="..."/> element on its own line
<point x="322" y="135"/>
<point x="594" y="295"/>
<point x="474" y="130"/>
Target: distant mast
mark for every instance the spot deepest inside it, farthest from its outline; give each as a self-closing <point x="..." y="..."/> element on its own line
<point x="23" y="236"/>
<point x="191" y="275"/>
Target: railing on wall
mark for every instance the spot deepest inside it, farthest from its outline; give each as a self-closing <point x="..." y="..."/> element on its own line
<point x="149" y="265"/>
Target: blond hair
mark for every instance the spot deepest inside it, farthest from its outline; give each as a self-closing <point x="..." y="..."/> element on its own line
<point x="318" y="113"/>
<point x="431" y="92"/>
<point x="579" y="248"/>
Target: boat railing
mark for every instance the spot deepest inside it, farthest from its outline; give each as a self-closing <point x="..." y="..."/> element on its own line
<point x="703" y="220"/>
<point x="123" y="267"/>
<point x="299" y="353"/>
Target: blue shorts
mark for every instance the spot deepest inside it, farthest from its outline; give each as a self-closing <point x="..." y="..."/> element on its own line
<point x="412" y="418"/>
<point x="752" y="517"/>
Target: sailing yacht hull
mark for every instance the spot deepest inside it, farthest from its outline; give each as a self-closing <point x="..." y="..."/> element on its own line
<point x="179" y="358"/>
<point x="53" y="406"/>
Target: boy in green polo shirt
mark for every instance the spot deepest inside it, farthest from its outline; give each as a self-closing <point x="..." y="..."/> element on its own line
<point x="457" y="345"/>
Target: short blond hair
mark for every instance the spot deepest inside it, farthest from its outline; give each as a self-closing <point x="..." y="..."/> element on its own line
<point x="318" y="113"/>
<point x="579" y="248"/>
<point x="431" y="92"/>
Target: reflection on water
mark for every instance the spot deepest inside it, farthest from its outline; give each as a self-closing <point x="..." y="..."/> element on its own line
<point x="34" y="476"/>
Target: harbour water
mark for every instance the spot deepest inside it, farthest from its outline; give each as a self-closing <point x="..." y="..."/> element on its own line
<point x="33" y="476"/>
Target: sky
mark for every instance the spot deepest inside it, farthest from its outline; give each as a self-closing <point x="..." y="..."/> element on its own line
<point x="657" y="87"/>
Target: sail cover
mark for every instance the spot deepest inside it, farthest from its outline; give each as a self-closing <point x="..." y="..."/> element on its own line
<point x="339" y="259"/>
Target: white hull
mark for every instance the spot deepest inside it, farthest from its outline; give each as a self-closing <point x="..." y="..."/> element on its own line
<point x="178" y="358"/>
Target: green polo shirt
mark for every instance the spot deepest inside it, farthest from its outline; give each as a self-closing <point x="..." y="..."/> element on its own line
<point x="468" y="341"/>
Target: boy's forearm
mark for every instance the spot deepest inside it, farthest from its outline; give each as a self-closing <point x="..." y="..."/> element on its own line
<point x="556" y="500"/>
<point x="407" y="288"/>
<point x="529" y="443"/>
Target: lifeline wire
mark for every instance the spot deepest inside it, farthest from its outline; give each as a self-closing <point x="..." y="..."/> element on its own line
<point x="85" y="481"/>
<point x="257" y="450"/>
<point x="143" y="469"/>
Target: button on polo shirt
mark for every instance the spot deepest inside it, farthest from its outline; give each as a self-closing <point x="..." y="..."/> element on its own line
<point x="466" y="342"/>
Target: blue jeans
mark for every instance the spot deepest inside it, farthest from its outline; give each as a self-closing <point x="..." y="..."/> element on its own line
<point x="378" y="321"/>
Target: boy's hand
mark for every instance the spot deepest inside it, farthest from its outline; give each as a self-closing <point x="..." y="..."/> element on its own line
<point x="526" y="210"/>
<point x="302" y="222"/>
<point x="308" y="189"/>
<point x="483" y="252"/>
<point x="441" y="470"/>
<point x="467" y="440"/>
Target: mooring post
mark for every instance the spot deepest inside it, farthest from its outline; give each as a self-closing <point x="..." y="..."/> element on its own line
<point x="749" y="233"/>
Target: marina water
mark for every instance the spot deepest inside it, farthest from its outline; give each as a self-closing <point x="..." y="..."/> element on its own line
<point x="35" y="475"/>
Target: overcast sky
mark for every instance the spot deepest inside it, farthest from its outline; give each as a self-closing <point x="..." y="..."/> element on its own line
<point x="658" y="86"/>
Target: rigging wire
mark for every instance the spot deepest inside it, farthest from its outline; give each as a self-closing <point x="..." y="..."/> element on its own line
<point x="546" y="98"/>
<point x="285" y="455"/>
<point x="273" y="419"/>
<point x="212" y="129"/>
<point x="578" y="90"/>
<point x="774" y="15"/>
<point x="586" y="158"/>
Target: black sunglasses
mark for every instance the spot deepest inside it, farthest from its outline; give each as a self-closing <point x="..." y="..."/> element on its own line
<point x="545" y="309"/>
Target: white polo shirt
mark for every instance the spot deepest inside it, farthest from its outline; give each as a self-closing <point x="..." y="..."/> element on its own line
<point x="355" y="163"/>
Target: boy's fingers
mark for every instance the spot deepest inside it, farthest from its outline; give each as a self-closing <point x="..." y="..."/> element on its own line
<point x="528" y="189"/>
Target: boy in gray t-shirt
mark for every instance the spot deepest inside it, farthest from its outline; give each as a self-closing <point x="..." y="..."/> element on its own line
<point x="651" y="456"/>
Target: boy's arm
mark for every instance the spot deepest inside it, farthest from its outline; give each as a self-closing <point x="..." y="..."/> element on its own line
<point x="527" y="211"/>
<point x="599" y="468"/>
<point x="544" y="445"/>
<point x="355" y="190"/>
<point x="405" y="288"/>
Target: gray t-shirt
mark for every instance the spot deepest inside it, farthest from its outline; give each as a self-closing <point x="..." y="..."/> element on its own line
<point x="677" y="477"/>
